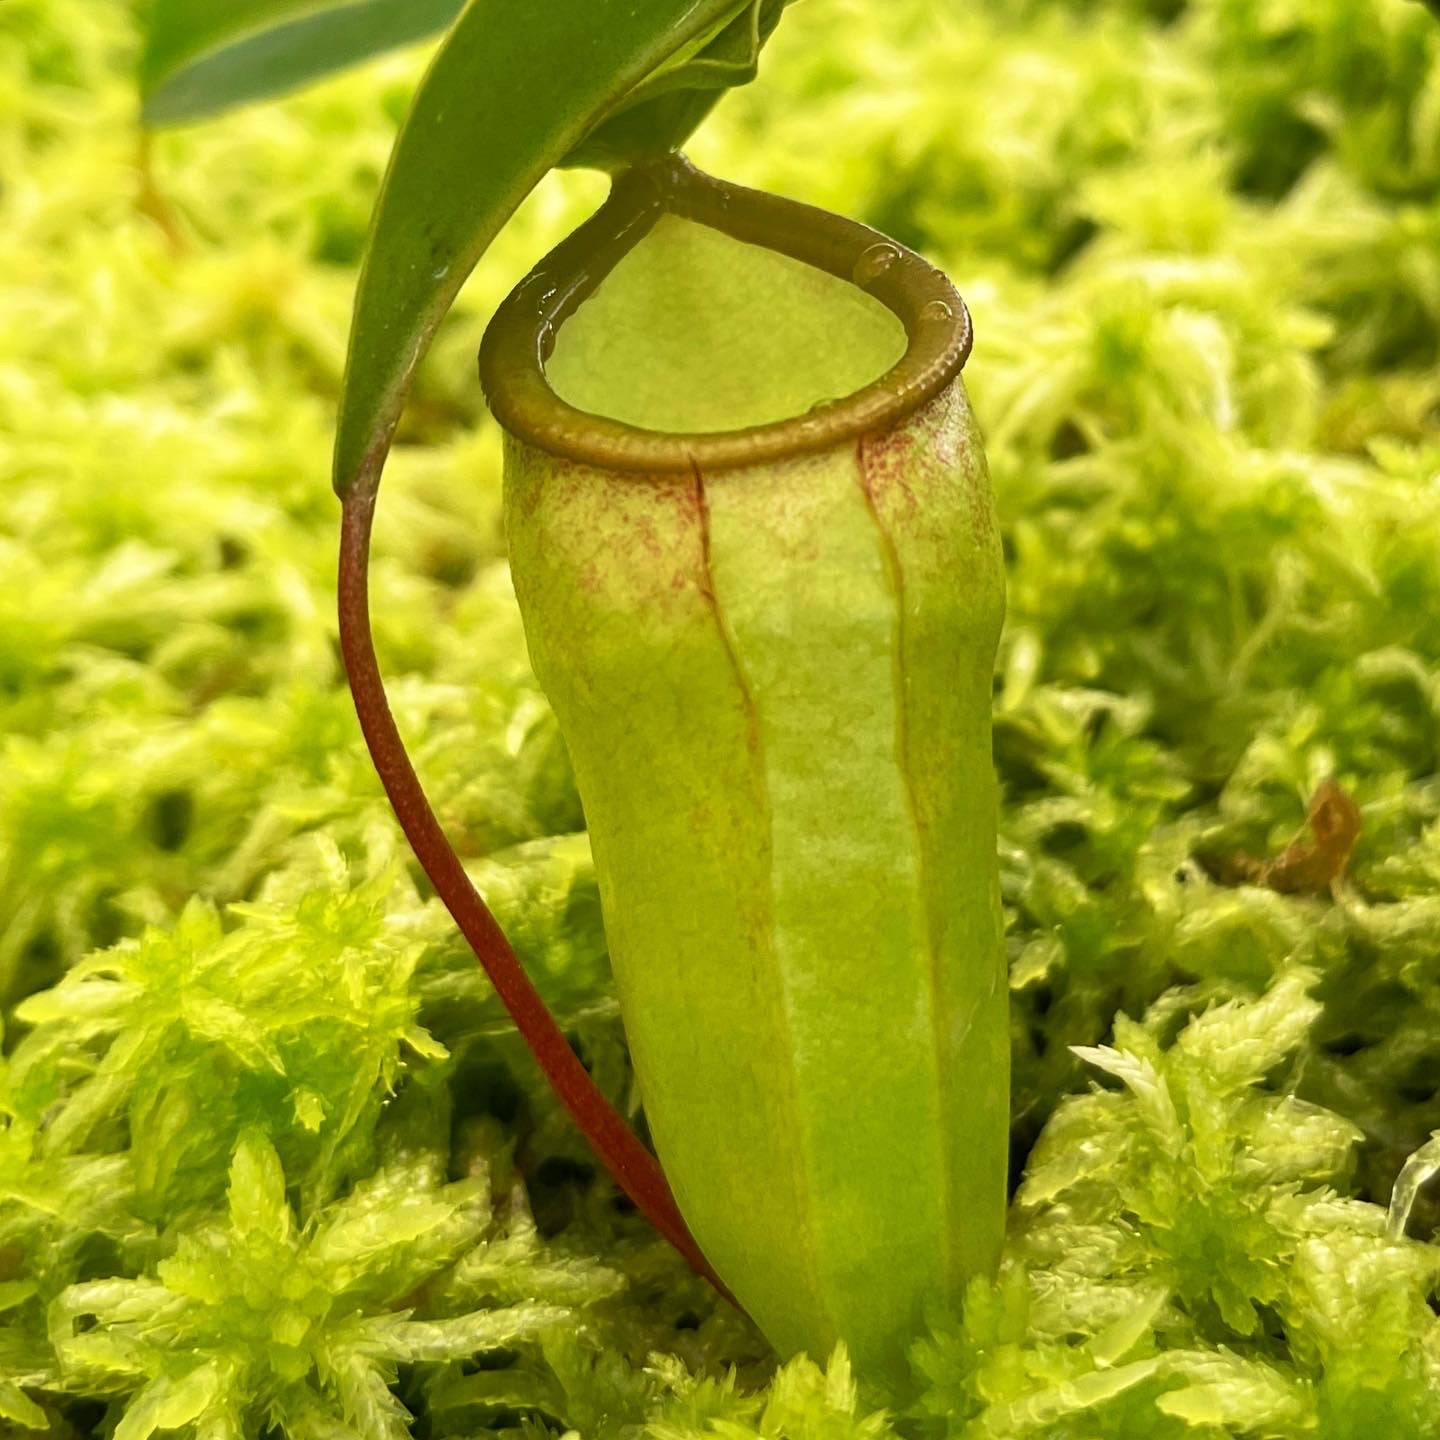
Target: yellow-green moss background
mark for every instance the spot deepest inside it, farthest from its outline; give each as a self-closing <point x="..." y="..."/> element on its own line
<point x="270" y="1156"/>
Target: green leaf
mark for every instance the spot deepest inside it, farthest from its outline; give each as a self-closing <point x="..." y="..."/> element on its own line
<point x="660" y="113"/>
<point x="510" y="94"/>
<point x="201" y="57"/>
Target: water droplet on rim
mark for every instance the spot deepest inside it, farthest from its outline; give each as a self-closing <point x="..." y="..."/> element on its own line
<point x="875" y="262"/>
<point x="937" y="310"/>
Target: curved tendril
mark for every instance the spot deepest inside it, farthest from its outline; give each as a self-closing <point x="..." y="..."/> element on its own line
<point x="632" y="1166"/>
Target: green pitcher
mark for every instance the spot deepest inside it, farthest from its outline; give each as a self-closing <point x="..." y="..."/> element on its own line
<point x="755" y="550"/>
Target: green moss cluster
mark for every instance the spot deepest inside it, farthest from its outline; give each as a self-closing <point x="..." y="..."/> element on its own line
<point x="272" y="1161"/>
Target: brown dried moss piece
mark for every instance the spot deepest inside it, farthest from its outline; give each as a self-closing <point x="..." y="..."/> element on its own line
<point x="1315" y="858"/>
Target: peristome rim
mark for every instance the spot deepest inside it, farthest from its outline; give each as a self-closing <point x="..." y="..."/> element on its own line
<point x="521" y="336"/>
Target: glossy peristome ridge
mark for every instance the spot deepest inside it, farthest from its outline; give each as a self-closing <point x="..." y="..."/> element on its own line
<point x="520" y="338"/>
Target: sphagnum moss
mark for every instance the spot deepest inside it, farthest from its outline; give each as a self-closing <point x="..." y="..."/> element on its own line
<point x="1206" y="380"/>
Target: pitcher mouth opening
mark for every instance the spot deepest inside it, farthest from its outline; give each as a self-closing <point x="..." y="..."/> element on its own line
<point x="522" y="336"/>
